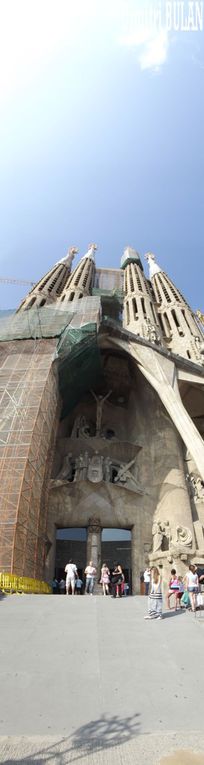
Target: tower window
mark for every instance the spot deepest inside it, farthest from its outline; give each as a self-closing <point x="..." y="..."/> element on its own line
<point x="135" y="311"/>
<point x="143" y="307"/>
<point x="180" y="331"/>
<point x="31" y="303"/>
<point x="166" y="319"/>
<point x="127" y="313"/>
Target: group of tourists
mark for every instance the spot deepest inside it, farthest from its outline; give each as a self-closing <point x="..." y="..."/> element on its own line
<point x="112" y="582"/>
<point x="185" y="590"/>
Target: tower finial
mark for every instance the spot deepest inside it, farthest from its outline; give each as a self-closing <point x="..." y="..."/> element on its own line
<point x="91" y="252"/>
<point x="153" y="267"/>
<point x="67" y="261"/>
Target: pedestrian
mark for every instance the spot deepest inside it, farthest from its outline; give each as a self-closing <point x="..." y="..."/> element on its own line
<point x="62" y="586"/>
<point x="173" y="586"/>
<point x="179" y="593"/>
<point x="191" y="579"/>
<point x="146" y="579"/>
<point x="120" y="587"/>
<point x="71" y="576"/>
<point x="155" y="596"/>
<point x="105" y="579"/>
<point x="79" y="585"/>
<point x="117" y="581"/>
<point x="55" y="586"/>
<point x="90" y="572"/>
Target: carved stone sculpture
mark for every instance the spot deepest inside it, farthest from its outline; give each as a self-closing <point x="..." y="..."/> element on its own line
<point x="157" y="533"/>
<point x="197" y="487"/>
<point x="95" y="468"/>
<point x="124" y="473"/>
<point x="152" y="332"/>
<point x="180" y="541"/>
<point x="66" y="470"/>
<point x="100" y="401"/>
<point x="79" y="468"/>
<point x="200" y="348"/>
<point x="181" y="535"/>
<point x="80" y="428"/>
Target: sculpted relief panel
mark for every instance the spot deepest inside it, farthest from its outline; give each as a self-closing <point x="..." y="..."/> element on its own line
<point x="173" y="538"/>
<point x="95" y="468"/>
<point x="95" y="453"/>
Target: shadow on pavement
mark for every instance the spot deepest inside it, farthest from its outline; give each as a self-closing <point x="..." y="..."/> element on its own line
<point x="98" y="735"/>
<point x="169" y="614"/>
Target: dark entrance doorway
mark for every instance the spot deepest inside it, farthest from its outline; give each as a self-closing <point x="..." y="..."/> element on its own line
<point x="116" y="547"/>
<point x="70" y="543"/>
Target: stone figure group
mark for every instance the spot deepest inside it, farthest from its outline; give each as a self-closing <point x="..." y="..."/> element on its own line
<point x="96" y="468"/>
<point x="175" y="537"/>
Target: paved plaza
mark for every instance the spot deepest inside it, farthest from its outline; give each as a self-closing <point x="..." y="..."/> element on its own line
<point x="87" y="680"/>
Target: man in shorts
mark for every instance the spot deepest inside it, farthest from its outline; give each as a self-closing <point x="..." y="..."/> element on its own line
<point x="71" y="576"/>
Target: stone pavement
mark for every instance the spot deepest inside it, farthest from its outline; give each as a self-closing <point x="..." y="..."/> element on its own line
<point x="86" y="679"/>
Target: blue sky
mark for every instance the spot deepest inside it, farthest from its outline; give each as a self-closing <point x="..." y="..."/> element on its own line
<point x="101" y="139"/>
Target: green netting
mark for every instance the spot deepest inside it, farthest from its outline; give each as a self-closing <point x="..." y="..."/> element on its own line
<point x="36" y="323"/>
<point x="79" y="364"/>
<point x="49" y="321"/>
<point x="77" y="350"/>
<point x="116" y="294"/>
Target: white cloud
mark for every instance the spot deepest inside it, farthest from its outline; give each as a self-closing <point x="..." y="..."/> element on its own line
<point x="151" y="46"/>
<point x="154" y="52"/>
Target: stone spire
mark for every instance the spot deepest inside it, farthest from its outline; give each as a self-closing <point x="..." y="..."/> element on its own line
<point x="139" y="311"/>
<point x="48" y="289"/>
<point x="79" y="284"/>
<point x="177" y="320"/>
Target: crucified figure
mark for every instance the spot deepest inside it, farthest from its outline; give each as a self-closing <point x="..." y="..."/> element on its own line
<point x="100" y="400"/>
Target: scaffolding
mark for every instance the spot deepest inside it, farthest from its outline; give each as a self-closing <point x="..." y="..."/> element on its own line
<point x="32" y="344"/>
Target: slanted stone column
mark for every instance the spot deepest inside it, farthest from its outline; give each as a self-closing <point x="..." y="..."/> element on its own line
<point x="94" y="543"/>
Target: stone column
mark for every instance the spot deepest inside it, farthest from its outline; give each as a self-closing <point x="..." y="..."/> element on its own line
<point x="137" y="554"/>
<point x="94" y="543"/>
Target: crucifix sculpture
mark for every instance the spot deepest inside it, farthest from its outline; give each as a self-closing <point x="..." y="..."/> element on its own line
<point x="100" y="400"/>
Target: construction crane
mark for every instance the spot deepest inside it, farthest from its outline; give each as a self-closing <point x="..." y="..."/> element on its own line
<point x="5" y="280"/>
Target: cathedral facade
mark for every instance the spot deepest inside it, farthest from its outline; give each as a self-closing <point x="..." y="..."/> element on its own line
<point x="102" y="418"/>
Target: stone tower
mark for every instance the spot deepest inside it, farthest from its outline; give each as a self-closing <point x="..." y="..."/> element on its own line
<point x="139" y="310"/>
<point x="51" y="285"/>
<point x="178" y="324"/>
<point x="80" y="282"/>
<point x="101" y="421"/>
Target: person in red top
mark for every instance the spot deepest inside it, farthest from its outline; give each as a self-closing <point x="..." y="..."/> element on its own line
<point x="173" y="586"/>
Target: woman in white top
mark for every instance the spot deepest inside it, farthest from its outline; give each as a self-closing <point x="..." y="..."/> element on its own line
<point x="192" y="585"/>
